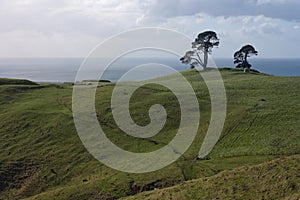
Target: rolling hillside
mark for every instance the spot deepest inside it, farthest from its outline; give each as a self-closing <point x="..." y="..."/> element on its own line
<point x="42" y="156"/>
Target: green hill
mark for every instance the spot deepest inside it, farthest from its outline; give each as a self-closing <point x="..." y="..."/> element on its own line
<point x="272" y="180"/>
<point x="7" y="81"/>
<point x="42" y="156"/>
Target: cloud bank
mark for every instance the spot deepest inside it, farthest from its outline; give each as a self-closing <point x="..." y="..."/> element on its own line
<point x="71" y="28"/>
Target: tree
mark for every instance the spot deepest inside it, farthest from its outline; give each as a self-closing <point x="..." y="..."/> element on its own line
<point x="241" y="57"/>
<point x="203" y="44"/>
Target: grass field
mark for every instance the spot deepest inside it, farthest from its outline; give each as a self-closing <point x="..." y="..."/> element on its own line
<point x="42" y="156"/>
<point x="276" y="180"/>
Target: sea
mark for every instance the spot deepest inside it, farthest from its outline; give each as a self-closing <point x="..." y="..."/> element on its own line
<point x="58" y="70"/>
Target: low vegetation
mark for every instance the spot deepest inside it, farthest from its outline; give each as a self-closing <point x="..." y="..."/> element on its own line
<point x="7" y="81"/>
<point x="42" y="156"/>
<point x="277" y="179"/>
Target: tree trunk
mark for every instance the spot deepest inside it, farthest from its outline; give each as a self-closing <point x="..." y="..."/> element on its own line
<point x="205" y="61"/>
<point x="246" y="70"/>
<point x="246" y="58"/>
<point x="246" y="64"/>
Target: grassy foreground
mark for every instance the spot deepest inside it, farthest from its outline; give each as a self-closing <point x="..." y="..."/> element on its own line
<point x="277" y="179"/>
<point x="42" y="156"/>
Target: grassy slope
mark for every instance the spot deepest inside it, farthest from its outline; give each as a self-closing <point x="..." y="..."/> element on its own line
<point x="6" y="81"/>
<point x="42" y="157"/>
<point x="279" y="178"/>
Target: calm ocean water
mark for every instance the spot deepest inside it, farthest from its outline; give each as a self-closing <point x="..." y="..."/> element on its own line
<point x="65" y="69"/>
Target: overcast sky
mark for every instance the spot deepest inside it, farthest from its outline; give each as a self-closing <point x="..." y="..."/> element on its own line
<point x="72" y="28"/>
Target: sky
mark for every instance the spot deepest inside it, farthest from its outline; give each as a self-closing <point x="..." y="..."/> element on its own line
<point x="72" y="28"/>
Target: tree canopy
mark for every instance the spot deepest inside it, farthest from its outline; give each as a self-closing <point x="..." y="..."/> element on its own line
<point x="201" y="47"/>
<point x="241" y="57"/>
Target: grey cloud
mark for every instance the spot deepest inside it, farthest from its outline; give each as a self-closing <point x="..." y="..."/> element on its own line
<point x="269" y="28"/>
<point x="283" y="9"/>
<point x="63" y="16"/>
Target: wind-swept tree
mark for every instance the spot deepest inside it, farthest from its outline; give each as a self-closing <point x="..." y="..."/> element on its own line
<point x="201" y="47"/>
<point x="241" y="57"/>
